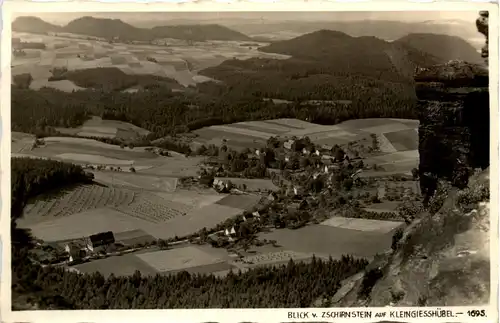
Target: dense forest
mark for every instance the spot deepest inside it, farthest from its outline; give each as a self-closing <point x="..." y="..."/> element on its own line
<point x="163" y="112"/>
<point x="112" y="79"/>
<point x="55" y="288"/>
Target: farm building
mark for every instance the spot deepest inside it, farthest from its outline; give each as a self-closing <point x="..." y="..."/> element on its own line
<point x="74" y="251"/>
<point x="100" y="240"/>
<point x="222" y="185"/>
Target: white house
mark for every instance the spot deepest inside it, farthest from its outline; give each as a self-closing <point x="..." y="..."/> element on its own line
<point x="74" y="251"/>
<point x="288" y="144"/>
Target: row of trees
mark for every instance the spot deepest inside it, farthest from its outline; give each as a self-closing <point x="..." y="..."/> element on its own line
<point x="264" y="287"/>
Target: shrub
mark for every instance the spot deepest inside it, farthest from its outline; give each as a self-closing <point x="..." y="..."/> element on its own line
<point x="369" y="280"/>
<point x="396" y="237"/>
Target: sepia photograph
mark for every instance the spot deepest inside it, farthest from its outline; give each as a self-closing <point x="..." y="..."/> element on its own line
<point x="249" y="159"/>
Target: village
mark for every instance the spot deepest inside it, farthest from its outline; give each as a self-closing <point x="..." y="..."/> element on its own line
<point x="311" y="184"/>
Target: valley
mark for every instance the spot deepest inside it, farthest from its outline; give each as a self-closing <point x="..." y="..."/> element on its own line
<point x="197" y="166"/>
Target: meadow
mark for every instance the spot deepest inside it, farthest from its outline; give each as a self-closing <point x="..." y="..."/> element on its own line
<point x="96" y="127"/>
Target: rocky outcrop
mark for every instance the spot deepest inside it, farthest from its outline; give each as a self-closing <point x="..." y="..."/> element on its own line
<point x="454" y="117"/>
<point x="442" y="259"/>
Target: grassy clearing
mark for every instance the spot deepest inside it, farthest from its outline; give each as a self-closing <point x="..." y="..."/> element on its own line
<point x="174" y="166"/>
<point x="119" y="266"/>
<point x="264" y="127"/>
<point x="389" y="127"/>
<point x="93" y="159"/>
<point x="404" y="139"/>
<point x="364" y="124"/>
<point x="80" y="146"/>
<point x="178" y="259"/>
<point x="194" y="200"/>
<point x="245" y="202"/>
<point x="96" y="127"/>
<point x="292" y="123"/>
<point x="133" y="237"/>
<point x="364" y="225"/>
<point x="331" y="241"/>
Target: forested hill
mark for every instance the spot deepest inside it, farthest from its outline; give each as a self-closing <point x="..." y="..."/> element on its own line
<point x="343" y="52"/>
<point x="328" y="65"/>
<point x="110" y="28"/>
<point x="444" y="47"/>
<point x="31" y="24"/>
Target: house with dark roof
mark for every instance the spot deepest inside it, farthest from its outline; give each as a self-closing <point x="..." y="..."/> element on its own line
<point x="100" y="240"/>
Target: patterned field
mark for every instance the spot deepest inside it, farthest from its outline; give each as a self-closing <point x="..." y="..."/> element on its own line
<point x="79" y="199"/>
<point x="394" y="135"/>
<point x="176" y="61"/>
<point x="135" y="180"/>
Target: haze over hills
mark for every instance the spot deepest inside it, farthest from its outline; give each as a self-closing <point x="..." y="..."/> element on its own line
<point x="110" y="28"/>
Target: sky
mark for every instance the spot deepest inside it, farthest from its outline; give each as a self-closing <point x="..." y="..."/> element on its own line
<point x="413" y="16"/>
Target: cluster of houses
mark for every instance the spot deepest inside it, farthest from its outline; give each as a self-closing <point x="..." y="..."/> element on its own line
<point x="231" y="233"/>
<point x="93" y="244"/>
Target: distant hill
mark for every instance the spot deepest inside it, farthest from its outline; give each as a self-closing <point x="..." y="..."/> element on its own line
<point x="111" y="28"/>
<point x="374" y="75"/>
<point x="198" y="32"/>
<point x="107" y="28"/>
<point x="442" y="46"/>
<point x="33" y="25"/>
<point x="345" y="53"/>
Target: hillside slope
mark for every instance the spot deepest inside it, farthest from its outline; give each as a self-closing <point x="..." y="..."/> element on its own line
<point x="111" y="28"/>
<point x="343" y="51"/>
<point x="444" y="47"/>
<point x="33" y="25"/>
<point x="447" y="252"/>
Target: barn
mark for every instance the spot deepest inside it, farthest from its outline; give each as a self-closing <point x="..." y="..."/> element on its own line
<point x="100" y="240"/>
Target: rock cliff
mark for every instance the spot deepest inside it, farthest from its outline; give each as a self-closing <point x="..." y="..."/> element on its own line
<point x="442" y="258"/>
